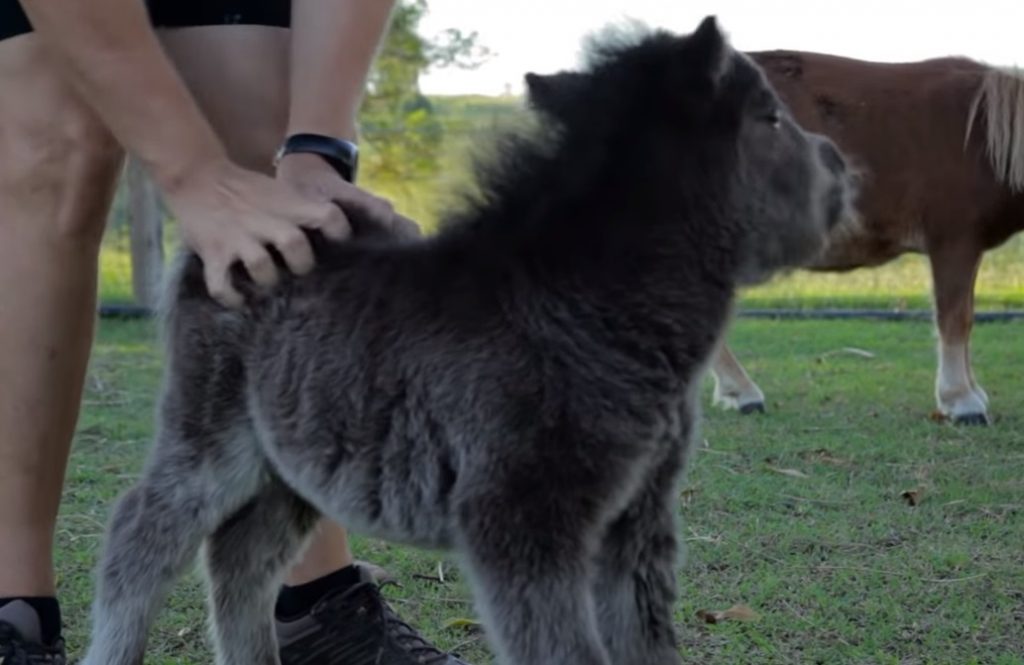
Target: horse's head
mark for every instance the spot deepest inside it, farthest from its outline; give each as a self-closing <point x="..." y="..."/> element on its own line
<point x="693" y="111"/>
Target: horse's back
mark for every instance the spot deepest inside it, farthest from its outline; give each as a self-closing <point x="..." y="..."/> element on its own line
<point x="903" y="125"/>
<point x="868" y="104"/>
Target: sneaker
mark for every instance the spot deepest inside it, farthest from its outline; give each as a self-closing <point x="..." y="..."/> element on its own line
<point x="21" y="638"/>
<point x="355" y="627"/>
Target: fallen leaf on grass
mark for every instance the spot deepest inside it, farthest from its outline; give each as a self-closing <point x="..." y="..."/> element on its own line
<point x="938" y="416"/>
<point x="792" y="473"/>
<point x="738" y="612"/>
<point x="687" y="495"/>
<point x="696" y="537"/>
<point x="464" y="624"/>
<point x="913" y="496"/>
<point x="824" y="456"/>
<point x="852" y="350"/>
<point x="847" y="350"/>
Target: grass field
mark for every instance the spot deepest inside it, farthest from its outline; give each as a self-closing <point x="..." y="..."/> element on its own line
<point x="797" y="514"/>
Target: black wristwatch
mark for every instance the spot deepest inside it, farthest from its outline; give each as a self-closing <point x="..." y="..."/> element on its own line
<point x="343" y="156"/>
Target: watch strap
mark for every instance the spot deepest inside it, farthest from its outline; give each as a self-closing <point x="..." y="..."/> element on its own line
<point x="342" y="155"/>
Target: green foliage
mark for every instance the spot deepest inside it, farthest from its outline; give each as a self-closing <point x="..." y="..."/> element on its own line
<point x="396" y="121"/>
<point x="402" y="136"/>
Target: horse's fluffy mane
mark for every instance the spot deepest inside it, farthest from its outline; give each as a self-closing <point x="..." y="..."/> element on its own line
<point x="1000" y="101"/>
<point x="527" y="154"/>
<point x="601" y="45"/>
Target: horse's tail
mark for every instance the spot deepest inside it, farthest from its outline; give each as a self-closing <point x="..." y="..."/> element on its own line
<point x="188" y="319"/>
<point x="1000" y="99"/>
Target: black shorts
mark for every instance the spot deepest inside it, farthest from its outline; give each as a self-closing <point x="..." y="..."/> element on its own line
<point x="176" y="14"/>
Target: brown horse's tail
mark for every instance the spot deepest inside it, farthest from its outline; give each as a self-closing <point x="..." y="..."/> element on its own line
<point x="1000" y="97"/>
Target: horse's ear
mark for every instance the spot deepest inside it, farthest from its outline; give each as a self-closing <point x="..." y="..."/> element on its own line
<point x="553" y="93"/>
<point x="709" y="50"/>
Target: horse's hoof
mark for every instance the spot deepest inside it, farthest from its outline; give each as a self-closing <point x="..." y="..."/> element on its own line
<point x="753" y="407"/>
<point x="971" y="419"/>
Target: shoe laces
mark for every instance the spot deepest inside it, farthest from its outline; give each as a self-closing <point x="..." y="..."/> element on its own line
<point x="16" y="651"/>
<point x="404" y="634"/>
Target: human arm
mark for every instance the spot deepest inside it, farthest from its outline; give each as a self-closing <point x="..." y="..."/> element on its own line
<point x="334" y="44"/>
<point x="109" y="52"/>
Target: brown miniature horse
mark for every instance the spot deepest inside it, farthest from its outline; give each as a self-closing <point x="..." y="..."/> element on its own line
<point x="940" y="144"/>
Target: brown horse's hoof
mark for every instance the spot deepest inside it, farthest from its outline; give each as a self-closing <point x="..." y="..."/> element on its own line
<point x="971" y="419"/>
<point x="753" y="407"/>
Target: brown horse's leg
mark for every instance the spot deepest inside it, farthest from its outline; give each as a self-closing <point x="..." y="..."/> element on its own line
<point x="954" y="269"/>
<point x="734" y="389"/>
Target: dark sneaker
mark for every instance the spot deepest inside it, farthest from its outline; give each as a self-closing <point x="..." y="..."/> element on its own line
<point x="355" y="627"/>
<point x="21" y="638"/>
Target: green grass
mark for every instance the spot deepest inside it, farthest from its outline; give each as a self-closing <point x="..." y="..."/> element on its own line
<point x="904" y="283"/>
<point x="839" y="568"/>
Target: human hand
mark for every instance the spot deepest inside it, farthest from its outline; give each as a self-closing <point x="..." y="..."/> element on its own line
<point x="315" y="178"/>
<point x="230" y="214"/>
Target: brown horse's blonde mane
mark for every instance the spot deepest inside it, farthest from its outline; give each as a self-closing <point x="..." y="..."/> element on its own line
<point x="1001" y="94"/>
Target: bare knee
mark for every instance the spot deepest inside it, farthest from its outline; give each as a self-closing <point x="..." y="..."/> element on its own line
<point x="58" y="163"/>
<point x="62" y="179"/>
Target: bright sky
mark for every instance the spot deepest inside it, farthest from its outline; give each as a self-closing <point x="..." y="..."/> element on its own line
<point x="545" y="35"/>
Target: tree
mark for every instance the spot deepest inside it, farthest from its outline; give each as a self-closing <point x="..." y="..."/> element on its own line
<point x="401" y="133"/>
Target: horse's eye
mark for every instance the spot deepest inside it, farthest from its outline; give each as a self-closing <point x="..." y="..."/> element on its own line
<point x="774" y="118"/>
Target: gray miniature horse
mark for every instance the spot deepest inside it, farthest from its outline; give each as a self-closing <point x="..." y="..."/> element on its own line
<point x="519" y="388"/>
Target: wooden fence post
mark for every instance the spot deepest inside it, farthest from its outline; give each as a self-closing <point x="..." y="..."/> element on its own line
<point x="145" y="223"/>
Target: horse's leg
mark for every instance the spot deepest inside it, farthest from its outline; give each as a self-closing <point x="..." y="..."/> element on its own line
<point x="734" y="388"/>
<point x="954" y="269"/>
<point x="532" y="581"/>
<point x="635" y="581"/>
<point x="205" y="464"/>
<point x="246" y="559"/>
<point x="154" y="533"/>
